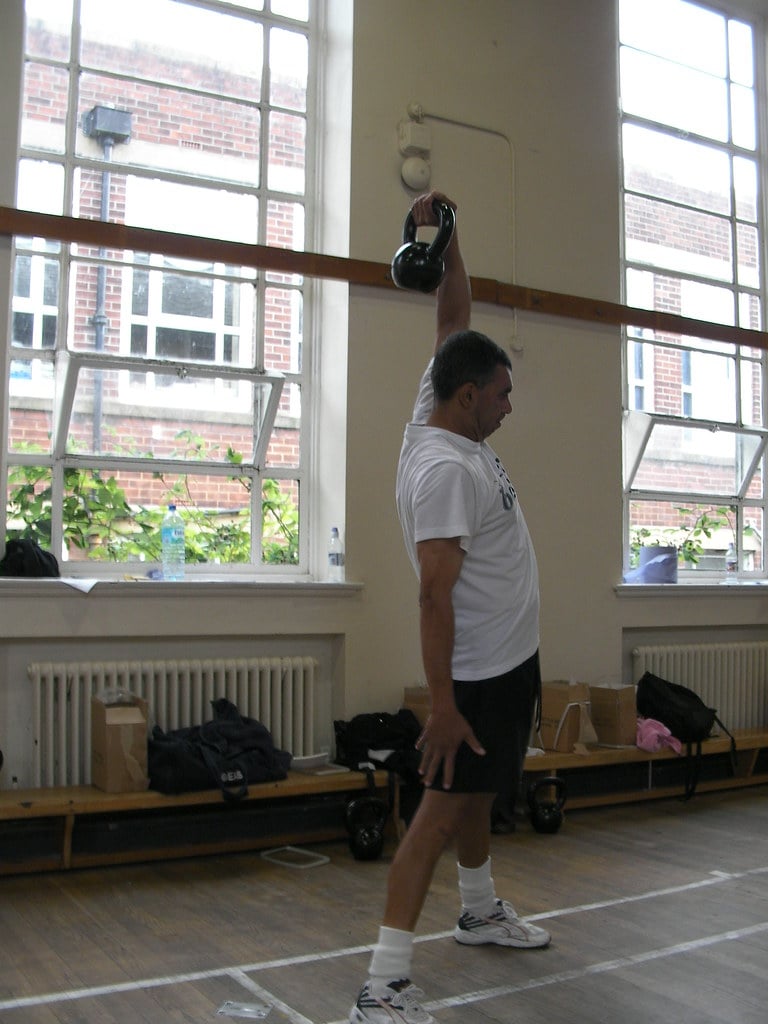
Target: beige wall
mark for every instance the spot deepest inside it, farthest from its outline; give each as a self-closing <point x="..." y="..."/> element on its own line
<point x="526" y="142"/>
<point x="538" y="79"/>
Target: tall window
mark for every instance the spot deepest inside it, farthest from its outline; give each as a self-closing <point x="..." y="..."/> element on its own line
<point x="137" y="378"/>
<point x="693" y="166"/>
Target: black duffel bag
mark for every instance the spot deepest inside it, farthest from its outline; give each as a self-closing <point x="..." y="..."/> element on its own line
<point x="227" y="753"/>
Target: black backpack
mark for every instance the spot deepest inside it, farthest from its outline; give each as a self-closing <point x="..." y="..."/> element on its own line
<point x="685" y="715"/>
<point x="26" y="558"/>
<point x="381" y="731"/>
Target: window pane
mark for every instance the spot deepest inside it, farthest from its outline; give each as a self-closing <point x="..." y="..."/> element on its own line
<point x="176" y="43"/>
<point x="296" y="9"/>
<point x="280" y="522"/>
<point x="29" y="503"/>
<point x="754" y="552"/>
<point x="185" y="209"/>
<point x="745" y="188"/>
<point x="283" y="447"/>
<point x="670" y="294"/>
<point x="49" y="25"/>
<point x="285" y="172"/>
<point x="747" y="246"/>
<point x="288" y="57"/>
<point x="674" y="95"/>
<point x="750" y="312"/>
<point x="685" y="457"/>
<point x="752" y="392"/>
<point x="174" y="130"/>
<point x="149" y="413"/>
<point x="678" y="238"/>
<point x="283" y="325"/>
<point x="744" y="117"/>
<point x="691" y="35"/>
<point x="40" y="187"/>
<point x="671" y="168"/>
<point x="707" y="378"/>
<point x="741" y="53"/>
<point x="94" y="326"/>
<point x="285" y="230"/>
<point x="30" y="425"/>
<point x="44" y="116"/>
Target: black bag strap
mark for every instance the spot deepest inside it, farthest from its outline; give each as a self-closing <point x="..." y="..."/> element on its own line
<point x="232" y="790"/>
<point x="692" y="770"/>
<point x="369" y="769"/>
<point x="732" y="747"/>
<point x="693" y="766"/>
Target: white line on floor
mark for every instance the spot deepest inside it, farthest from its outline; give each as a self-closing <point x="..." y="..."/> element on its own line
<point x="715" y="878"/>
<point x="266" y="997"/>
<point x="601" y="968"/>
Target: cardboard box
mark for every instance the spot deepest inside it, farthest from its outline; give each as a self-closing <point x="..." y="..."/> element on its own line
<point x="417" y="700"/>
<point x="565" y="720"/>
<point x="613" y="711"/>
<point x="119" y="744"/>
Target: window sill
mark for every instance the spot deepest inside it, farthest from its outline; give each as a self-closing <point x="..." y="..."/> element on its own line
<point x="712" y="589"/>
<point x="194" y="586"/>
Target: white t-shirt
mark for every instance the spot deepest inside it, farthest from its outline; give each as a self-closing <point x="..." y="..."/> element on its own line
<point x="450" y="486"/>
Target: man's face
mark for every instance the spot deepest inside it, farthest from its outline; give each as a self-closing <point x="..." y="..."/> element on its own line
<point x="493" y="402"/>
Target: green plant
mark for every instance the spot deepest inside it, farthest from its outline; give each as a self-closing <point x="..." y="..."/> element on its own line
<point x="697" y="525"/>
<point x="99" y="521"/>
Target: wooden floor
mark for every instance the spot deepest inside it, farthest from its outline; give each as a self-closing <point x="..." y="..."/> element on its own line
<point x="658" y="912"/>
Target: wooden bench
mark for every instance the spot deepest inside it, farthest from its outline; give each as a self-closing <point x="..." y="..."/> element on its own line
<point x="80" y="826"/>
<point x="639" y="775"/>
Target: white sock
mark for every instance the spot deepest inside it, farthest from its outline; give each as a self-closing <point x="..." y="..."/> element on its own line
<point x="476" y="888"/>
<point x="391" y="958"/>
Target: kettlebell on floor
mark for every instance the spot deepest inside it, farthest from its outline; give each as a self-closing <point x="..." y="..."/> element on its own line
<point x="546" y="799"/>
<point x="366" y="818"/>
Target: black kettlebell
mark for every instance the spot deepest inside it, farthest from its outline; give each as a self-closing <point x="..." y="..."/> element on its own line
<point x="419" y="266"/>
<point x="546" y="813"/>
<point x="366" y="818"/>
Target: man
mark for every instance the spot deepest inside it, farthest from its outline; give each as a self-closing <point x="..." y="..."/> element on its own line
<point x="479" y="604"/>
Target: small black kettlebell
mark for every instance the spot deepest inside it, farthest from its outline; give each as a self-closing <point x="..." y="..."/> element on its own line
<point x="419" y="266"/>
<point x="366" y="819"/>
<point x="547" y="814"/>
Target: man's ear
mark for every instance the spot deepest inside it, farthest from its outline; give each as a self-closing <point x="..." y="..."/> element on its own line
<point x="467" y="394"/>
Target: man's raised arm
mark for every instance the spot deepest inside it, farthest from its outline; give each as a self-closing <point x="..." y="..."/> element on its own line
<point x="454" y="296"/>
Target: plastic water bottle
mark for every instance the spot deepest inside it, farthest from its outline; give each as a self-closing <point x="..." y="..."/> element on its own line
<point x="335" y="557"/>
<point x="172" y="536"/>
<point x="731" y="564"/>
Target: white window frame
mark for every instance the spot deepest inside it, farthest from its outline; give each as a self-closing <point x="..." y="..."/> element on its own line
<point x="68" y="364"/>
<point x="638" y="426"/>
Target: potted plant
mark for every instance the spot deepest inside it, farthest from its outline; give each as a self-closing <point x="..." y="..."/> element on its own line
<point x="654" y="556"/>
<point x="654" y="546"/>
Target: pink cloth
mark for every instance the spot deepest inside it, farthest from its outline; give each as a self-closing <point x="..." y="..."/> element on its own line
<point x="654" y="736"/>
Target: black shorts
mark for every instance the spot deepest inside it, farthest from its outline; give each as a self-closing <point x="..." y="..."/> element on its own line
<point x="500" y="711"/>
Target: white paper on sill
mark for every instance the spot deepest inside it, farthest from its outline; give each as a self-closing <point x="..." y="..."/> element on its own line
<point x="77" y="583"/>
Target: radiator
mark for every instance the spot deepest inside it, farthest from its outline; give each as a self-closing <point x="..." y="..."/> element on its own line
<point x="731" y="678"/>
<point x="278" y="692"/>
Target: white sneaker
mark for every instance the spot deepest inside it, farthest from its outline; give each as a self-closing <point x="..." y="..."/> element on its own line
<point x="398" y="1003"/>
<point x="503" y="928"/>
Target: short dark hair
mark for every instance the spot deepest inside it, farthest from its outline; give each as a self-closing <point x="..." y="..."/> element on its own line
<point x="465" y="357"/>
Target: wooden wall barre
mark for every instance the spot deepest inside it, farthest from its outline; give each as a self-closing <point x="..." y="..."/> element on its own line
<point x="108" y="235"/>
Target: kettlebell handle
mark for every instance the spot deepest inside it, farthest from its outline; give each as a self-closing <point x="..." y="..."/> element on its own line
<point x="555" y="782"/>
<point x="445" y="228"/>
